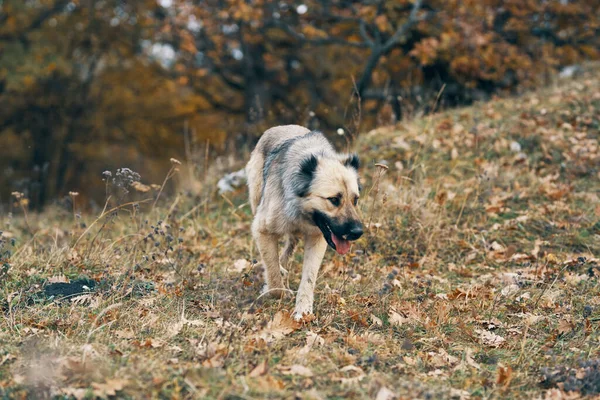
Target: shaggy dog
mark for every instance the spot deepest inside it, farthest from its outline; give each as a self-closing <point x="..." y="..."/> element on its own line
<point x="300" y="187"/>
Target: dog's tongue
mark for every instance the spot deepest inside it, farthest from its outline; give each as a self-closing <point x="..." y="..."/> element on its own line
<point x="341" y="246"/>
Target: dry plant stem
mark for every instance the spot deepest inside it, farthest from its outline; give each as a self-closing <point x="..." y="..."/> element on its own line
<point x="549" y="286"/>
<point x="173" y="205"/>
<point x="74" y="215"/>
<point x="206" y="173"/>
<point x="356" y="117"/>
<point x="429" y="121"/>
<point x="188" y="148"/>
<point x="194" y="209"/>
<point x="170" y="174"/>
<point x="26" y="217"/>
<point x="104" y="213"/>
<point x="233" y="207"/>
<point x="462" y="208"/>
<point x="376" y="186"/>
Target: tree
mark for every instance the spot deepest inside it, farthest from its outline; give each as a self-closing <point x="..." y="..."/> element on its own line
<point x="81" y="81"/>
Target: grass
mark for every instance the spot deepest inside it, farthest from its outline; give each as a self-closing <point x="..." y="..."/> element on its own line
<point x="478" y="277"/>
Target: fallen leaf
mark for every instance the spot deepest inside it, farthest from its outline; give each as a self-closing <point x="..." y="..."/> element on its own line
<point x="565" y="326"/>
<point x="140" y="187"/>
<point x="357" y="372"/>
<point x="469" y="359"/>
<point x="296" y="369"/>
<point x="6" y="358"/>
<point x="376" y="321"/>
<point x="58" y="279"/>
<point x="552" y="259"/>
<point x="557" y="394"/>
<point x="260" y="370"/>
<point x="281" y="325"/>
<point x="504" y="376"/>
<point x="385" y="394"/>
<point x="397" y="319"/>
<point x="240" y="265"/>
<point x="509" y="290"/>
<point x="110" y="388"/>
<point x="312" y="339"/>
<point x="489" y="338"/>
<point x="459" y="394"/>
<point x="125" y="334"/>
<point x="78" y="393"/>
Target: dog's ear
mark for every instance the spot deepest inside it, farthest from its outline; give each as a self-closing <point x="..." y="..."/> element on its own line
<point x="352" y="161"/>
<point x="306" y="174"/>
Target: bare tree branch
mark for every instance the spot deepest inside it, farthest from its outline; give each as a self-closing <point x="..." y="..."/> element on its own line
<point x="36" y="23"/>
<point x="412" y="19"/>
<point x="378" y="49"/>
<point x="317" y="42"/>
<point x="363" y="32"/>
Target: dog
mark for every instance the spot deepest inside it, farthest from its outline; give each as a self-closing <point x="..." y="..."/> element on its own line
<point x="301" y="187"/>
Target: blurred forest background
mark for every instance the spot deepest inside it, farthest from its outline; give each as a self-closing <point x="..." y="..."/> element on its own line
<point x="94" y="85"/>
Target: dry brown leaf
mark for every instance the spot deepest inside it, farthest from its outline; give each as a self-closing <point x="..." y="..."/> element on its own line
<point x="397" y="319"/>
<point x="281" y="325"/>
<point x="376" y="321"/>
<point x="557" y="394"/>
<point x="504" y="376"/>
<point x="459" y="394"/>
<point x="241" y="265"/>
<point x="125" y="334"/>
<point x="385" y="394"/>
<point x="469" y="359"/>
<point x="356" y="375"/>
<point x="565" y="326"/>
<point x="312" y="339"/>
<point x="296" y="369"/>
<point x="77" y="393"/>
<point x="216" y="361"/>
<point x="7" y="358"/>
<point x="58" y="279"/>
<point x="409" y="361"/>
<point x="509" y="290"/>
<point x="260" y="370"/>
<point x="489" y="338"/>
<point x="140" y="187"/>
<point x="110" y="388"/>
<point x="269" y="383"/>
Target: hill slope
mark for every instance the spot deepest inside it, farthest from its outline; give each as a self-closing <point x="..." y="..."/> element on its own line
<point x="477" y="277"/>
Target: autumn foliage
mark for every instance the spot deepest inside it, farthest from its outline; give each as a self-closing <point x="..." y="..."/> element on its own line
<point x="92" y="85"/>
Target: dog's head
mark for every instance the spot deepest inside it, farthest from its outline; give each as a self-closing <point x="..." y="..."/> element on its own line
<point x="329" y="189"/>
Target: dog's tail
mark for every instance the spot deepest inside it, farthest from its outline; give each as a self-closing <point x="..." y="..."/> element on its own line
<point x="254" y="174"/>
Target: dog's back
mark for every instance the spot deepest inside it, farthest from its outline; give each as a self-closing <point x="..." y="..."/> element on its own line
<point x="270" y="140"/>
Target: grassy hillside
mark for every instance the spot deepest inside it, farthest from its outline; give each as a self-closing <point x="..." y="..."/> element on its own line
<point x="478" y="277"/>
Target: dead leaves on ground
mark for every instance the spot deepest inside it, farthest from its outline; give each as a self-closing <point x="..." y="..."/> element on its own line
<point x="281" y="325"/>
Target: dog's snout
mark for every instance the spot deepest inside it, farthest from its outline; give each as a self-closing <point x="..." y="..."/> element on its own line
<point x="356" y="231"/>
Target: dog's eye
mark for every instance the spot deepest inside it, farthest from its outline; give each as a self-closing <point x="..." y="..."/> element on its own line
<point x="335" y="201"/>
<point x="355" y="200"/>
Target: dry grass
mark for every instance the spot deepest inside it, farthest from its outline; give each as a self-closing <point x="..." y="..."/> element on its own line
<point x="477" y="277"/>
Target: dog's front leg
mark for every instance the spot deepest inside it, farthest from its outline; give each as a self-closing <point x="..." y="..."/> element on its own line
<point x="269" y="251"/>
<point x="314" y="250"/>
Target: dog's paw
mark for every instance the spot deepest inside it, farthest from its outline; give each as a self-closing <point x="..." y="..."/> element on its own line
<point x="303" y="317"/>
<point x="298" y="316"/>
<point x="302" y="312"/>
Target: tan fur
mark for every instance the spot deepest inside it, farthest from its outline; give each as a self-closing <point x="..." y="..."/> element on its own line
<point x="254" y="169"/>
<point x="282" y="214"/>
<point x="331" y="179"/>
